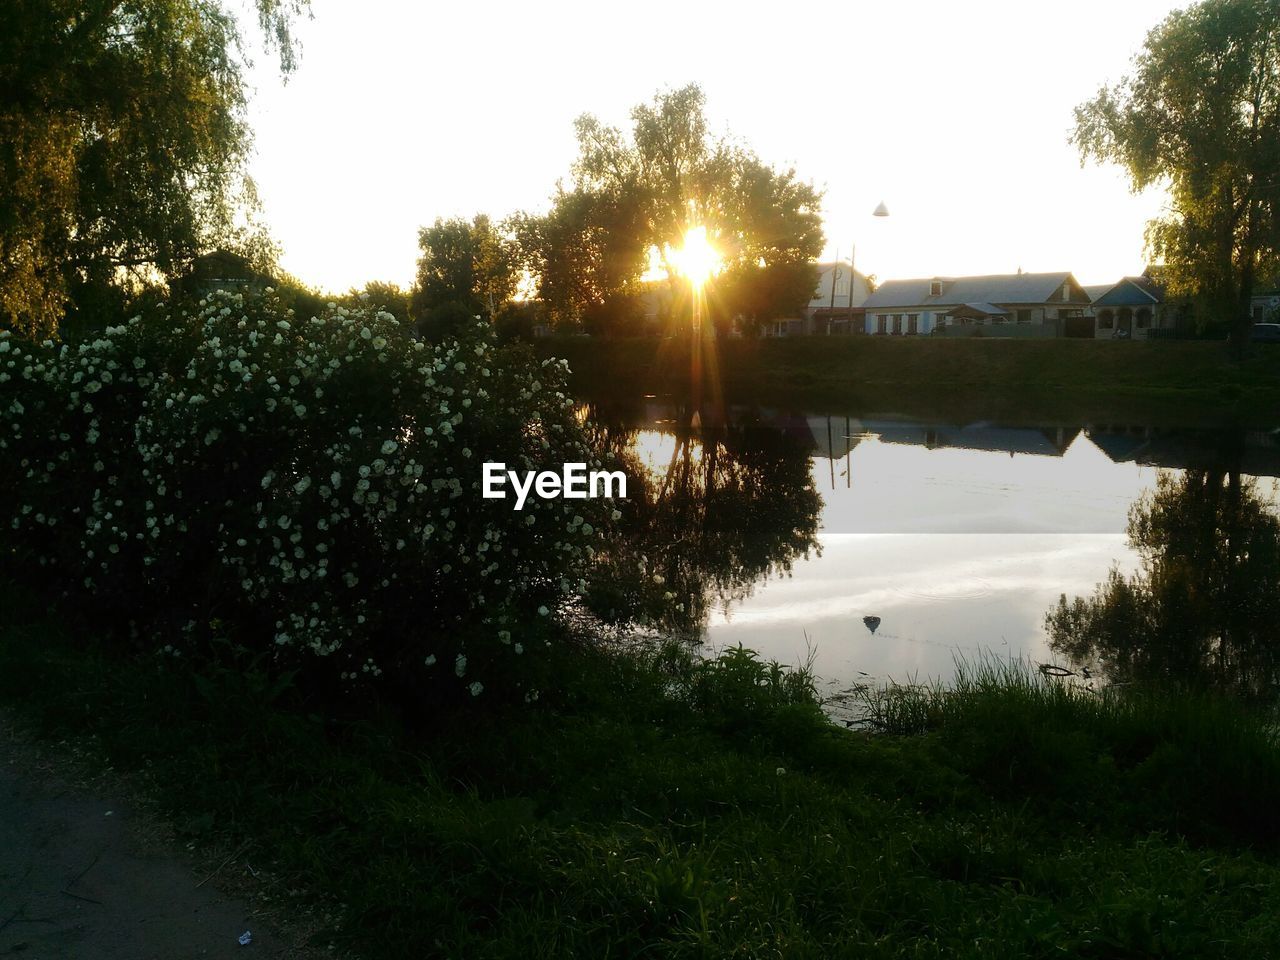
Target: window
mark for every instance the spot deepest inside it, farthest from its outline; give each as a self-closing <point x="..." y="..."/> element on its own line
<point x="1144" y="317"/>
<point x="1257" y="313"/>
<point x="1106" y="320"/>
<point x="935" y="288"/>
<point x="897" y="324"/>
<point x="1024" y="315"/>
<point x="842" y="288"/>
<point x="882" y="323"/>
<point x="913" y="323"/>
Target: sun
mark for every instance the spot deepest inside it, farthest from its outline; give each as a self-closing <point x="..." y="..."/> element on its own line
<point x="696" y="258"/>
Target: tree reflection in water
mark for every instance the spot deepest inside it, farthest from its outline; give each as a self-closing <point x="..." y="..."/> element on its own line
<point x="1203" y="608"/>
<point x="734" y="504"/>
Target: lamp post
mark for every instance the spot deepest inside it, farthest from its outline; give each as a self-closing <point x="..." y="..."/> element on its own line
<point x="880" y="211"/>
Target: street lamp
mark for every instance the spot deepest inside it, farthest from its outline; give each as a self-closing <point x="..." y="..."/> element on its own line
<point x="880" y="211"/>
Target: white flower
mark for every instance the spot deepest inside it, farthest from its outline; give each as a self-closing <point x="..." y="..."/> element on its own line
<point x="431" y="660"/>
<point x="476" y="688"/>
<point x="389" y="447"/>
<point x="543" y="611"/>
<point x="302" y="485"/>
<point x="460" y="665"/>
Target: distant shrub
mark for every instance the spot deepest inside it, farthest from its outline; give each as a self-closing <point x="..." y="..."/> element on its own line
<point x="310" y="485"/>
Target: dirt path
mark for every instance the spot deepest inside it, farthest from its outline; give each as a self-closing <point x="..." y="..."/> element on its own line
<point x="88" y="876"/>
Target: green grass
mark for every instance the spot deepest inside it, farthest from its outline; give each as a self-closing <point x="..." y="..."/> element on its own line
<point x="1167" y="381"/>
<point x="657" y="806"/>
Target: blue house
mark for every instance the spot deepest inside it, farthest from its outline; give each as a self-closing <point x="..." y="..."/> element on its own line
<point x="1131" y="309"/>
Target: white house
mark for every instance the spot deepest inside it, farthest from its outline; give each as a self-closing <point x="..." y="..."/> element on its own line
<point x="1008" y="305"/>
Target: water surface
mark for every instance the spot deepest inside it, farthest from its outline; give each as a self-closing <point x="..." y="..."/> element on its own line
<point x="786" y="530"/>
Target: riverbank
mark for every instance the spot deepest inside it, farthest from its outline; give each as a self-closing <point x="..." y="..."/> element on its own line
<point x="1185" y="382"/>
<point x="652" y="804"/>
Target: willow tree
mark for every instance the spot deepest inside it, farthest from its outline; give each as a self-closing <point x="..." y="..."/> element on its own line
<point x="640" y="191"/>
<point x="1200" y="114"/>
<point x="123" y="141"/>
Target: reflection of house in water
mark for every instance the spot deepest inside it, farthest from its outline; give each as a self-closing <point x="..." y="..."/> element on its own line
<point x="984" y="436"/>
<point x="1255" y="452"/>
<point x="834" y="438"/>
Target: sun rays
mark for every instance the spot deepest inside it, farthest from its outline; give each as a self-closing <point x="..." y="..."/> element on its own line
<point x="696" y="259"/>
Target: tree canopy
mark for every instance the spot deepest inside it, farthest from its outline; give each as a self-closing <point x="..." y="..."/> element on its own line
<point x="1200" y="113"/>
<point x="1203" y="607"/>
<point x="465" y="269"/>
<point x="123" y="142"/>
<point x="633" y="195"/>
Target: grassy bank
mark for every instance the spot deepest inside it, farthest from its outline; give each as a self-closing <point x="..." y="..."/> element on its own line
<point x="654" y="806"/>
<point x="1091" y="379"/>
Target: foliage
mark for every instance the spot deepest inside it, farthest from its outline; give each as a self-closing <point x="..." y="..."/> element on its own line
<point x="309" y="487"/>
<point x="587" y="253"/>
<point x="1167" y="382"/>
<point x="1159" y="757"/>
<point x="122" y="143"/>
<point x="757" y="293"/>
<point x="621" y="820"/>
<point x="637" y="194"/>
<point x="465" y="270"/>
<point x="1201" y="113"/>
<point x="1203" y="609"/>
<point x="382" y="296"/>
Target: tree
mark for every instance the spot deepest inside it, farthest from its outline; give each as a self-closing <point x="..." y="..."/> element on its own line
<point x="587" y="254"/>
<point x="123" y="143"/>
<point x="380" y="295"/>
<point x="1203" y="608"/>
<point x="466" y="269"/>
<point x="636" y="196"/>
<point x="1201" y="114"/>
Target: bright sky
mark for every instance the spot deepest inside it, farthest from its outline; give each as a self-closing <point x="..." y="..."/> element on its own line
<point x="956" y="115"/>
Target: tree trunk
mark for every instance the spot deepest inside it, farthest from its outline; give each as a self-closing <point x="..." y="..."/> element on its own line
<point x="1242" y="321"/>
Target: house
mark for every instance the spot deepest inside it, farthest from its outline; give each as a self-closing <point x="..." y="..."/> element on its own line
<point x="1131" y="308"/>
<point x="1001" y="305"/>
<point x="834" y="308"/>
<point x="1265" y="306"/>
<point x="219" y="270"/>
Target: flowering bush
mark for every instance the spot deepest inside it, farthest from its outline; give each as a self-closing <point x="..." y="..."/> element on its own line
<point x="312" y="484"/>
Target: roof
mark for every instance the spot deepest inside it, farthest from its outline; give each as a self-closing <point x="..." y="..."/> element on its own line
<point x="1094" y="290"/>
<point x="1131" y="292"/>
<point x="997" y="288"/>
<point x="978" y="310"/>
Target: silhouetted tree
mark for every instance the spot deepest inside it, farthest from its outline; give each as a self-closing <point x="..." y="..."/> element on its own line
<point x="466" y="269"/>
<point x="637" y="194"/>
<point x="1201" y="113"/>
<point x="1203" y="608"/>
